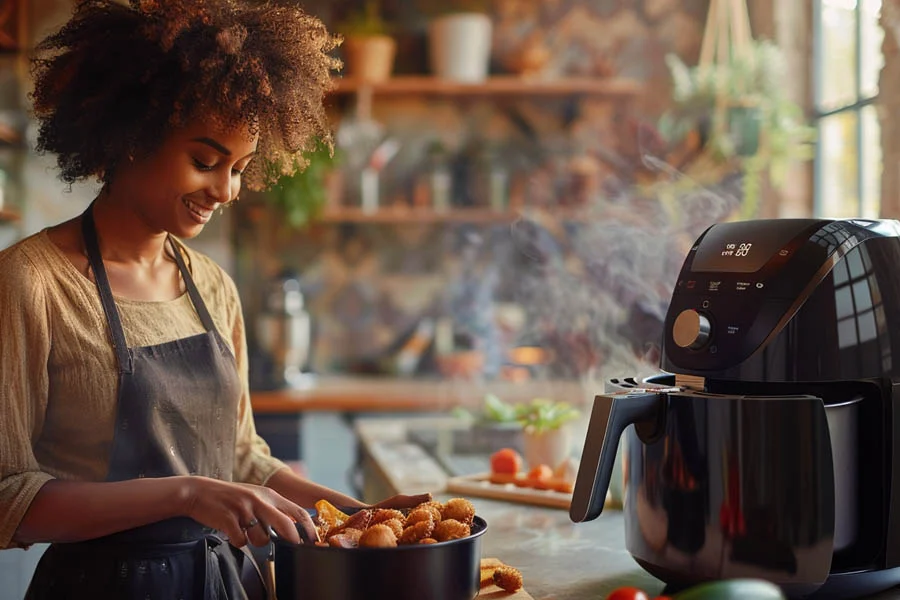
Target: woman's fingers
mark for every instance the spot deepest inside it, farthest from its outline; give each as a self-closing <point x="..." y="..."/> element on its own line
<point x="305" y="522"/>
<point x="279" y="521"/>
<point x="258" y="534"/>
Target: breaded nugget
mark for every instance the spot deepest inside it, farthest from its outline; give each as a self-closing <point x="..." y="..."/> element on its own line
<point x="450" y="529"/>
<point x="458" y="509"/>
<point x="396" y="526"/>
<point x="378" y="536"/>
<point x="508" y="578"/>
<point x="417" y="531"/>
<point x="419" y="514"/>
<point x="428" y="541"/>
<point x="385" y="514"/>
<point x="434" y="507"/>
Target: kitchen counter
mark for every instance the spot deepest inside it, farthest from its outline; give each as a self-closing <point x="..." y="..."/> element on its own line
<point x="559" y="559"/>
<point x="392" y="395"/>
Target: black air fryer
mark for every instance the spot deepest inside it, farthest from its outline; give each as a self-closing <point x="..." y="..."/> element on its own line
<point x="770" y="445"/>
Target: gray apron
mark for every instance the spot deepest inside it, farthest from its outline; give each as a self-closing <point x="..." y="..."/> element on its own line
<point x="176" y="415"/>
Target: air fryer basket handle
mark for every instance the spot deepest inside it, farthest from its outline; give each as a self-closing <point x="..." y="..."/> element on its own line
<point x="610" y="415"/>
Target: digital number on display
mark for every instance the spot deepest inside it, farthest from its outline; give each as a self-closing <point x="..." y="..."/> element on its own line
<point x="737" y="249"/>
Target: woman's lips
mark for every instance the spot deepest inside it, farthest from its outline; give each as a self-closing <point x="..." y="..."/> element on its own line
<point x="201" y="214"/>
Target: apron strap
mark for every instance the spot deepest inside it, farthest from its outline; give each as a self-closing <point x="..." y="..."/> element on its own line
<point x="199" y="304"/>
<point x="89" y="233"/>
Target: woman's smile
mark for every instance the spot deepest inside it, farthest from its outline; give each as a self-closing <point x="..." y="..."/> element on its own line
<point x="200" y="213"/>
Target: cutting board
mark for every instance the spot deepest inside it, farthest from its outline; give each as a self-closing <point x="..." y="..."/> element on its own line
<point x="495" y="593"/>
<point x="481" y="486"/>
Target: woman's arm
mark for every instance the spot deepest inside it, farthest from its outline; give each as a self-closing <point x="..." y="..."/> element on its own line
<point x="306" y="493"/>
<point x="70" y="511"/>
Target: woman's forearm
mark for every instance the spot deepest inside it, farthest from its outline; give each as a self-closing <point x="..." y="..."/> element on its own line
<point x="71" y="511"/>
<point x="305" y="492"/>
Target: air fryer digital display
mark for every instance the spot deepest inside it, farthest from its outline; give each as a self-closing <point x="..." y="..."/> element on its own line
<point x="745" y="247"/>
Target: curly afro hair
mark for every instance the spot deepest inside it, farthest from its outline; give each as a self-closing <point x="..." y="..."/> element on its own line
<point x="116" y="78"/>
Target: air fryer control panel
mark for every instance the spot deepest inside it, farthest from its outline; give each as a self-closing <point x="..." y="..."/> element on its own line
<point x="742" y="281"/>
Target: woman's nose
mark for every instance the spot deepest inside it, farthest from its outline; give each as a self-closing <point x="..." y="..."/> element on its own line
<point x="224" y="188"/>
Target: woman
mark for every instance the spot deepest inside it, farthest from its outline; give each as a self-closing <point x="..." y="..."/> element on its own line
<point x="127" y="432"/>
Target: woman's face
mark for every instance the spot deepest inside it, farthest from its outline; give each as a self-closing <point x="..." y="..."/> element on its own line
<point x="195" y="171"/>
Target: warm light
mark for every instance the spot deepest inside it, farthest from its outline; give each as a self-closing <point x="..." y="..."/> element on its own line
<point x="527" y="355"/>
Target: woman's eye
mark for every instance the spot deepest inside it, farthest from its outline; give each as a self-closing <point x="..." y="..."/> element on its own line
<point x="202" y="166"/>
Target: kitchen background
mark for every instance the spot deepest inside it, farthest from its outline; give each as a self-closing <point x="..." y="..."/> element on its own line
<point x="526" y="226"/>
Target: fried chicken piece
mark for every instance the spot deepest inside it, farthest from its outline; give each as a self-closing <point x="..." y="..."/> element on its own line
<point x="432" y="506"/>
<point x="386" y="514"/>
<point x="396" y="526"/>
<point x="428" y="541"/>
<point x="378" y="536"/>
<point x="348" y="538"/>
<point x="508" y="578"/>
<point x="450" y="529"/>
<point x="458" y="509"/>
<point x="417" y="531"/>
<point x="419" y="514"/>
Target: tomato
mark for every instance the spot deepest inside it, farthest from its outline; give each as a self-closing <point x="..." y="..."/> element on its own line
<point x="540" y="472"/>
<point x="628" y="593"/>
<point x="506" y="461"/>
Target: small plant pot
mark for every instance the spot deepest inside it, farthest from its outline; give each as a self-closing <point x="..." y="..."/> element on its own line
<point x="549" y="447"/>
<point x="370" y="58"/>
<point x="460" y="46"/>
<point x="744" y="123"/>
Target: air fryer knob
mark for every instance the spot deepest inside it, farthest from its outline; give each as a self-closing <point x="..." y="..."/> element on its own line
<point x="691" y="329"/>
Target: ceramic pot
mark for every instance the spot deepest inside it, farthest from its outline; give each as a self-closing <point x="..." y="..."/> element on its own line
<point x="460" y="46"/>
<point x="547" y="447"/>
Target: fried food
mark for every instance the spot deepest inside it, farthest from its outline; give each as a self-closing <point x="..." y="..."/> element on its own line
<point x="428" y="541"/>
<point x="508" y="578"/>
<point x="432" y="506"/>
<point x="488" y="566"/>
<point x="386" y="514"/>
<point x="396" y="526"/>
<point x="348" y="538"/>
<point x="419" y="514"/>
<point x="417" y="531"/>
<point x="458" y="509"/>
<point x="378" y="536"/>
<point x="450" y="529"/>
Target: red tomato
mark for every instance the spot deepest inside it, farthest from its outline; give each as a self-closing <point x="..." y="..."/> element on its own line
<point x="628" y="593"/>
<point x="506" y="461"/>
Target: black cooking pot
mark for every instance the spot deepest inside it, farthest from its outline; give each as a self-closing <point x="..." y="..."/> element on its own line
<point x="442" y="571"/>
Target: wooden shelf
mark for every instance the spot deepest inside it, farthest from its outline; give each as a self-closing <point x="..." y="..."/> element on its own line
<point x="418" y="216"/>
<point x="9" y="215"/>
<point x="494" y="86"/>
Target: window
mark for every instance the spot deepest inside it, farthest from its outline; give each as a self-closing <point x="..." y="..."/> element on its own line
<point x="847" y="64"/>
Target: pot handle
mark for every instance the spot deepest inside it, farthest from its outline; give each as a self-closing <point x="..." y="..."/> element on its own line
<point x="610" y="415"/>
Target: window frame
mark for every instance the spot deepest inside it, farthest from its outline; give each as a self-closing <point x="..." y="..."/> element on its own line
<point x="857" y="106"/>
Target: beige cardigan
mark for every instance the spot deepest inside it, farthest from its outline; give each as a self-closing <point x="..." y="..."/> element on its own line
<point x="58" y="370"/>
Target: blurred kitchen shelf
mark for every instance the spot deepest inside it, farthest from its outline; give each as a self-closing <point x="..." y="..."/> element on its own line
<point x="417" y="216"/>
<point x="9" y="216"/>
<point x="494" y="86"/>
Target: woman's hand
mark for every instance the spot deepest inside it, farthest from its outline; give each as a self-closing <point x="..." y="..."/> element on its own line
<point x="244" y="512"/>
<point x="403" y="501"/>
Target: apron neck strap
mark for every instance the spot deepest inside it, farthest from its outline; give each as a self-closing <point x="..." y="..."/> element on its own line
<point x="124" y="357"/>
<point x="89" y="233"/>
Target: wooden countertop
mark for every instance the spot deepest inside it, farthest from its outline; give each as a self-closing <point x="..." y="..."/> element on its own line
<point x="393" y="395"/>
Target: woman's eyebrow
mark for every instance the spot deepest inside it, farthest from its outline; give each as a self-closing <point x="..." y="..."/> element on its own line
<point x="214" y="144"/>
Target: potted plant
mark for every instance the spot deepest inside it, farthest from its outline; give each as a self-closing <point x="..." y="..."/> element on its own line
<point x="301" y="197"/>
<point x="545" y="427"/>
<point x="369" y="50"/>
<point x="743" y="113"/>
<point x="459" y="39"/>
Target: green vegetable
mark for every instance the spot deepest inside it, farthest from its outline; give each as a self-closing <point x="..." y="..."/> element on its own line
<point x="498" y="411"/>
<point x="733" y="589"/>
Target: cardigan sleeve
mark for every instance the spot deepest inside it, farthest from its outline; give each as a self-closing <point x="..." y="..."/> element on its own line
<point x="24" y="352"/>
